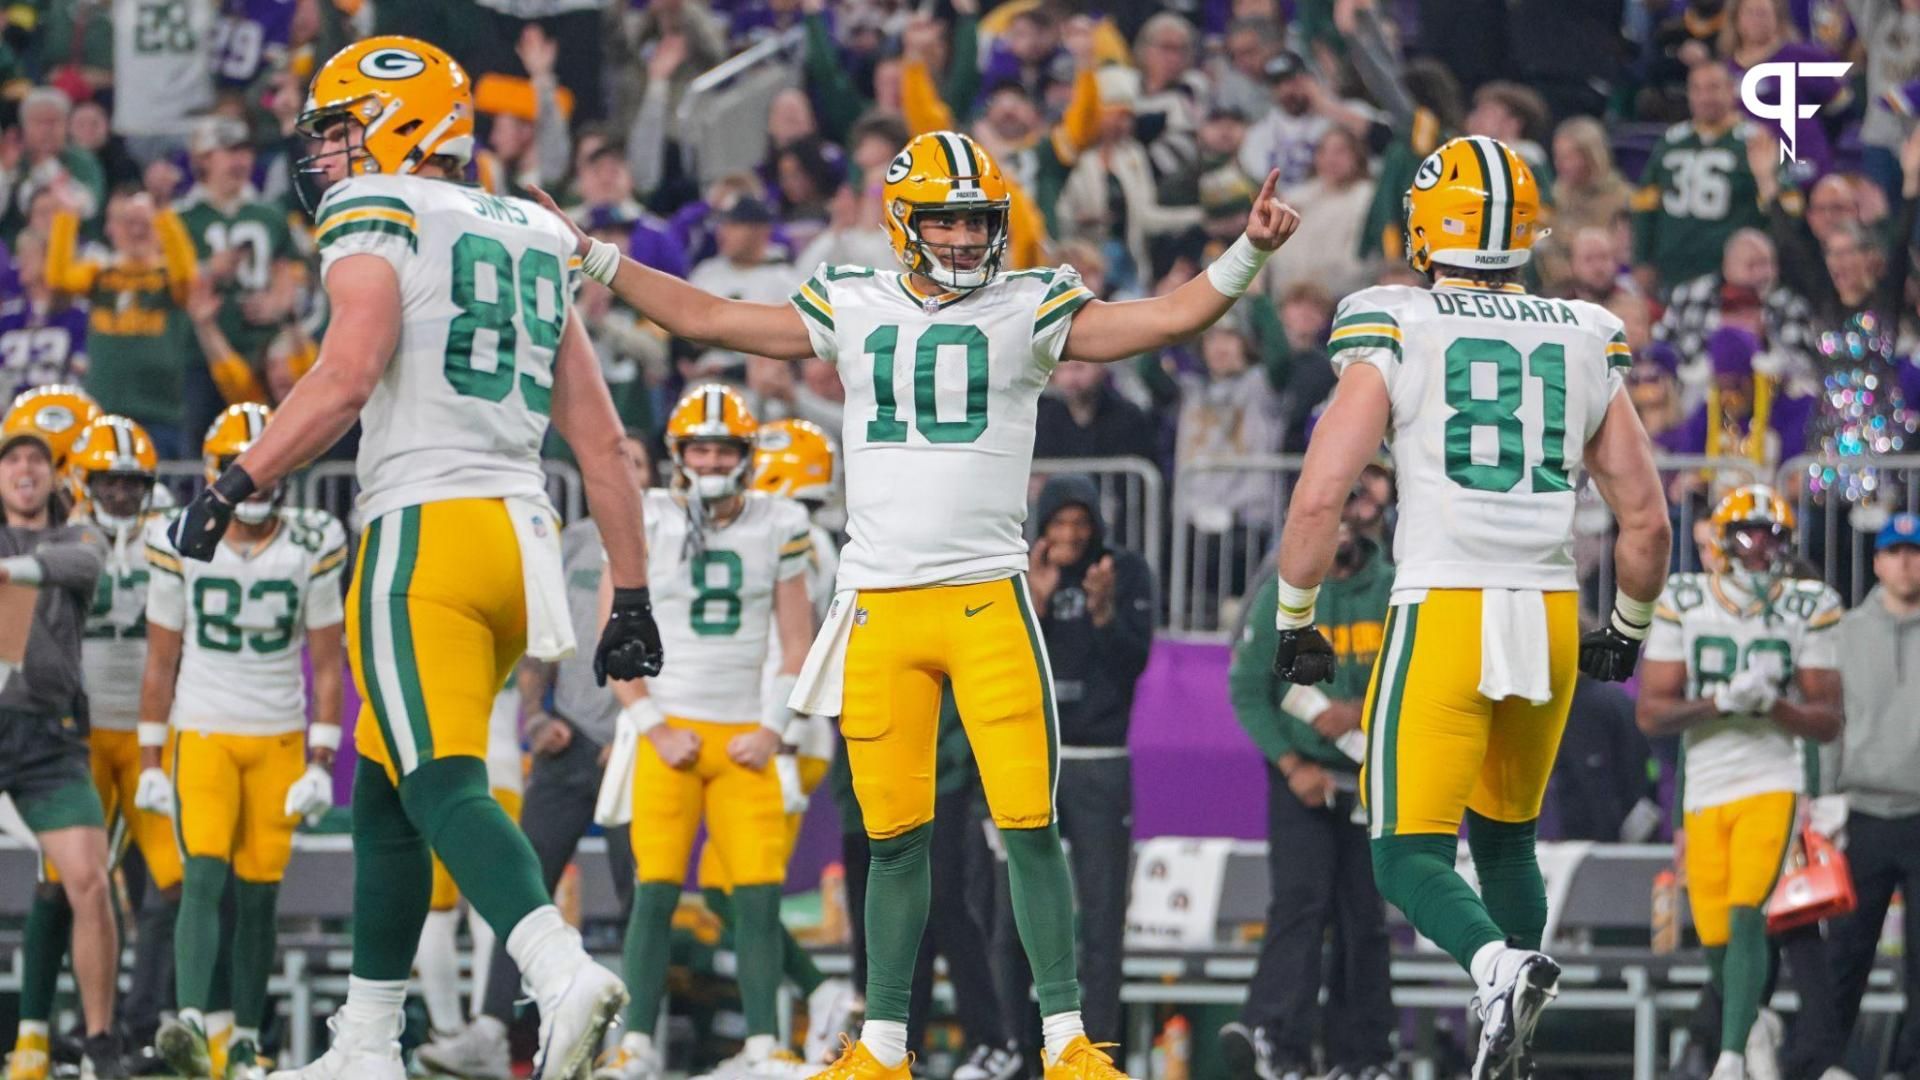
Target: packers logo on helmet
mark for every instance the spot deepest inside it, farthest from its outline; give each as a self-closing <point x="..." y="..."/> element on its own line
<point x="1473" y="204"/>
<point x="56" y="414"/>
<point x="1753" y="534"/>
<point x="114" y="447"/>
<point x="711" y="412"/>
<point x="946" y="173"/>
<point x="228" y="437"/>
<point x="794" y="459"/>
<point x="407" y="101"/>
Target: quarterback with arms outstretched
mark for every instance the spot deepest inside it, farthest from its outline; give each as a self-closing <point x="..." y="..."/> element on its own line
<point x="453" y="342"/>
<point x="943" y="366"/>
<point x="1490" y="397"/>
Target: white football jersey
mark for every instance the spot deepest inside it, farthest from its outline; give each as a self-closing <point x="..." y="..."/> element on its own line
<point x="941" y="395"/>
<point x="1709" y="623"/>
<point x="713" y="601"/>
<point x="244" y="619"/>
<point x="113" y="656"/>
<point x="1495" y="394"/>
<point x="485" y="281"/>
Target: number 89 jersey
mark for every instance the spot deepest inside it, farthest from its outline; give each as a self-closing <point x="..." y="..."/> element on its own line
<point x="942" y="394"/>
<point x="243" y="621"/>
<point x="462" y="408"/>
<point x="1494" y="396"/>
<point x="1709" y="623"/>
<point x="713" y="601"/>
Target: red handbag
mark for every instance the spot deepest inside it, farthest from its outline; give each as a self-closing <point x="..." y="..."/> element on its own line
<point x="1816" y="885"/>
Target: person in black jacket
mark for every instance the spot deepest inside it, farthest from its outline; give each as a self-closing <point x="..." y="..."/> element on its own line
<point x="1095" y="606"/>
<point x="1082" y="415"/>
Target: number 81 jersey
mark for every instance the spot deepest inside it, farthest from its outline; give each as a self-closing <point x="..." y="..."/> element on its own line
<point x="1494" y="395"/>
<point x="243" y="620"/>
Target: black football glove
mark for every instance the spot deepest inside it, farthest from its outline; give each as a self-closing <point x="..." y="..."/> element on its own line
<point x="1608" y="655"/>
<point x="630" y="642"/>
<point x="1303" y="656"/>
<point x="197" y="531"/>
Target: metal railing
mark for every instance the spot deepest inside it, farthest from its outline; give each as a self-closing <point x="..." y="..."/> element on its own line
<point x="1835" y="534"/>
<point x="1132" y="501"/>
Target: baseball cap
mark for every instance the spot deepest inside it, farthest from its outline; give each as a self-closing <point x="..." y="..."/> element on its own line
<point x="1900" y="529"/>
<point x="31" y="435"/>
<point x="747" y="210"/>
<point x="1285" y="66"/>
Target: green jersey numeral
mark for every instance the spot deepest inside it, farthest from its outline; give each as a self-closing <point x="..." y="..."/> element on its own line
<point x="725" y="593"/>
<point x="216" y="615"/>
<point x="886" y="426"/>
<point x="1548" y="364"/>
<point x="514" y="307"/>
<point x="1717" y="659"/>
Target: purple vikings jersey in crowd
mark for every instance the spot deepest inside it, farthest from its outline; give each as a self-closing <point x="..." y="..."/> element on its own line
<point x="250" y="37"/>
<point x="39" y="346"/>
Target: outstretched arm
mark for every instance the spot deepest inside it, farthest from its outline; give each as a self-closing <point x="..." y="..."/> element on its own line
<point x="1105" y="332"/>
<point x="688" y="311"/>
<point x="1346" y="438"/>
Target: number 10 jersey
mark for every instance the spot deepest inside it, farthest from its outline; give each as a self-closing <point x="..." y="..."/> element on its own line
<point x="941" y="397"/>
<point x="1494" y="396"/>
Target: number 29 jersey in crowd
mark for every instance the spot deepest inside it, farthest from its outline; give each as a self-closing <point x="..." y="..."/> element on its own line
<point x="1494" y="394"/>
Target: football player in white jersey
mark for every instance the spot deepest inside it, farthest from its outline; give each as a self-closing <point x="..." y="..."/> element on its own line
<point x="1742" y="663"/>
<point x="729" y="577"/>
<point x="1490" y="398"/>
<point x="943" y="361"/>
<point x="453" y="343"/>
<point x="224" y="683"/>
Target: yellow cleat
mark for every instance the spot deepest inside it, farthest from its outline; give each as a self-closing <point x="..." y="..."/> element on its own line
<point x="217" y="1041"/>
<point x="1083" y="1060"/>
<point x="30" y="1059"/>
<point x="857" y="1063"/>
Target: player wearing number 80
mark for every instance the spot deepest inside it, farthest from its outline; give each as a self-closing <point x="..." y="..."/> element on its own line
<point x="1489" y="396"/>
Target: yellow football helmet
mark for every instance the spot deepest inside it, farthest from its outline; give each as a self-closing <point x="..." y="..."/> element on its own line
<point x="228" y="436"/>
<point x="794" y="459"/>
<point x="58" y="413"/>
<point x="114" y="446"/>
<point x="1753" y="532"/>
<point x="712" y="412"/>
<point x="411" y="100"/>
<point x="1473" y="204"/>
<point x="946" y="172"/>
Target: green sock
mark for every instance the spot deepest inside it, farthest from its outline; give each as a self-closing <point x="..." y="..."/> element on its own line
<point x="899" y="891"/>
<point x="756" y="949"/>
<point x="196" y="933"/>
<point x="1042" y="888"/>
<point x="1415" y="874"/>
<point x="392" y="879"/>
<point x="257" y="903"/>
<point x="1510" y="883"/>
<point x="798" y="965"/>
<point x="1745" y="972"/>
<point x="220" y="999"/>
<point x="49" y="928"/>
<point x="648" y="948"/>
<point x="485" y="852"/>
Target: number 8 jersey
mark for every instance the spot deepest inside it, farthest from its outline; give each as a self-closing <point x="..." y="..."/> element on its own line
<point x="942" y="394"/>
<point x="1494" y="395"/>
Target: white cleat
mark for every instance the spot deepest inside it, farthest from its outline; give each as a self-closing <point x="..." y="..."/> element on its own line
<point x="778" y="1065"/>
<point x="830" y="1014"/>
<point x="1509" y="1009"/>
<point x="1763" y="1046"/>
<point x="623" y="1063"/>
<point x="475" y="1052"/>
<point x="574" y="1023"/>
<point x="1730" y="1066"/>
<point x="354" y="1055"/>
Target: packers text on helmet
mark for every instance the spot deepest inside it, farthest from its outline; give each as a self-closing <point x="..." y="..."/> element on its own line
<point x="114" y="467"/>
<point x="406" y="99"/>
<point x="1473" y="205"/>
<point x="711" y="412"/>
<point x="794" y="459"/>
<point x="942" y="175"/>
<point x="228" y="437"/>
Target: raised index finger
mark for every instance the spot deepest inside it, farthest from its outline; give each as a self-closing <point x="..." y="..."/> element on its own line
<point x="1267" y="189"/>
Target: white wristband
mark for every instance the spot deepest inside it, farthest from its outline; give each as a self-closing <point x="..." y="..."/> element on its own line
<point x="601" y="262"/>
<point x="1295" y="609"/>
<point x="1306" y="702"/>
<point x="1632" y="617"/>
<point x="23" y="569"/>
<point x="644" y="715"/>
<point x="323" y="737"/>
<point x="1233" y="272"/>
<point x="148" y="733"/>
<point x="775" y="714"/>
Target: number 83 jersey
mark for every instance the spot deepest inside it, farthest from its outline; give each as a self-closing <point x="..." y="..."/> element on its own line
<point x="1494" y="396"/>
<point x="243" y="617"/>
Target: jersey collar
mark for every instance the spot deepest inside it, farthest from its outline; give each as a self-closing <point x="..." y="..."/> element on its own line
<point x="1468" y="283"/>
<point x="929" y="304"/>
<point x="1737" y="600"/>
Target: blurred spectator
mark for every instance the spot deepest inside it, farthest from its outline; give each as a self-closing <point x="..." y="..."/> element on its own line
<point x="1241" y="83"/>
<point x="1697" y="188"/>
<point x="1287" y="135"/>
<point x="1587" y="193"/>
<point x="1801" y="223"/>
<point x="1684" y="39"/>
<point x="1593" y="271"/>
<point x="1746" y="413"/>
<point x="1745" y="291"/>
<point x="1173" y="97"/>
<point x="678" y="39"/>
<point x="89" y="129"/>
<point x="1030" y="52"/>
<point x="1599" y="789"/>
<point x="1517" y="116"/>
<point x="229" y="372"/>
<point x="1762" y="32"/>
<point x="852" y="237"/>
<point x="526" y="134"/>
<point x="1317" y="855"/>
<point x="137" y="349"/>
<point x="1227" y="409"/>
<point x="251" y="39"/>
<point x="1635" y="313"/>
<point x="632" y="351"/>
<point x="1110" y="197"/>
<point x="1653" y="386"/>
<point x="45" y="158"/>
<point x="1305" y="377"/>
<point x="43" y="337"/>
<point x="1422" y="106"/>
<point x="603" y="182"/>
<point x="1082" y="415"/>
<point x="743" y="268"/>
<point x="162" y="70"/>
<point x="1865" y="277"/>
<point x="1333" y="206"/>
<point x="806" y="175"/>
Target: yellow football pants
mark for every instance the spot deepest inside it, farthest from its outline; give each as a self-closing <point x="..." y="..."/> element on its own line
<point x="1436" y="746"/>
<point x="905" y="645"/>
<point x="713" y="869"/>
<point x="743" y="809"/>
<point x="230" y="794"/>
<point x="1735" y="852"/>
<point x="115" y="758"/>
<point x="445" y="893"/>
<point x="435" y="624"/>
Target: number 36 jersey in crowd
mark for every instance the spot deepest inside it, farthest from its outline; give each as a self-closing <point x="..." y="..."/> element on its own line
<point x="462" y="409"/>
<point x="243" y="618"/>
<point x="941" y="396"/>
<point x="1709" y="623"/>
<point x="713" y="600"/>
<point x="1495" y="394"/>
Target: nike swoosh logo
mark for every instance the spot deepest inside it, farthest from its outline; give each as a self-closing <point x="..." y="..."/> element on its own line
<point x="972" y="611"/>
